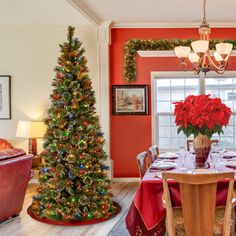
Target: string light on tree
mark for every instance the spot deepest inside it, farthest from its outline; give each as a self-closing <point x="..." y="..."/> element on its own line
<point x="73" y="186"/>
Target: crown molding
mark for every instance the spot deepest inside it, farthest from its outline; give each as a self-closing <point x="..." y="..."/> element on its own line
<point x="104" y="32"/>
<point x="85" y="11"/>
<point x="172" y="25"/>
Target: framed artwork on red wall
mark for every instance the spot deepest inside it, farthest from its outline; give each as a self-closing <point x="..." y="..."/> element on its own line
<point x="130" y="100"/>
<point x="5" y="97"/>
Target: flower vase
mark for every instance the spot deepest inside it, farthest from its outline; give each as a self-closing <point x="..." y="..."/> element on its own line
<point x="202" y="148"/>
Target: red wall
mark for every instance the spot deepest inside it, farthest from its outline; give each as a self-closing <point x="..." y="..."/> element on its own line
<point x="132" y="134"/>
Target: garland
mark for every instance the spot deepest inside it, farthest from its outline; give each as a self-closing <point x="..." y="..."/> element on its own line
<point x="134" y="45"/>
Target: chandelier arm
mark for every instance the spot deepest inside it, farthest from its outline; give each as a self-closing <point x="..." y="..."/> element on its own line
<point x="196" y="68"/>
<point x="215" y="67"/>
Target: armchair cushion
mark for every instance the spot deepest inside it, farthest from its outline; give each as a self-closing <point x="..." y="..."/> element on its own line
<point x="4" y="144"/>
<point x="10" y="153"/>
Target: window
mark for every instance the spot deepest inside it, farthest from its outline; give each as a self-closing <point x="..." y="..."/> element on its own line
<point x="169" y="90"/>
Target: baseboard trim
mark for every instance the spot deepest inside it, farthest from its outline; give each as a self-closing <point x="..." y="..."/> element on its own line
<point x="126" y="179"/>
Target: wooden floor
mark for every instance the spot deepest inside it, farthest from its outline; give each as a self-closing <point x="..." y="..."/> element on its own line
<point x="24" y="225"/>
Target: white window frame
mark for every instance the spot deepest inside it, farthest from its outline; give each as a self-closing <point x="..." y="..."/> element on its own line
<point x="175" y="75"/>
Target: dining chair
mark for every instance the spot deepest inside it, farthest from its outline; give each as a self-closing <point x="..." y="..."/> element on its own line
<point x="198" y="215"/>
<point x="154" y="152"/>
<point x="190" y="143"/>
<point x="142" y="161"/>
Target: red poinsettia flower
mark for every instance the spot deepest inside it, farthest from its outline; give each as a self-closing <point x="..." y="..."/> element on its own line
<point x="201" y="114"/>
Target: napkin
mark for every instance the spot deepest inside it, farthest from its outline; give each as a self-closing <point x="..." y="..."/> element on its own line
<point x="169" y="154"/>
<point x="162" y="166"/>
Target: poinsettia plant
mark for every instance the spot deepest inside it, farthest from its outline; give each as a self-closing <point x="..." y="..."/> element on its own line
<point x="201" y="114"/>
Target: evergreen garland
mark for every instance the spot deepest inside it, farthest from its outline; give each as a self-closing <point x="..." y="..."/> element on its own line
<point x="134" y="45"/>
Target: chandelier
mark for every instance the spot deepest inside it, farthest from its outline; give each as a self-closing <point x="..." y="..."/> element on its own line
<point x="200" y="57"/>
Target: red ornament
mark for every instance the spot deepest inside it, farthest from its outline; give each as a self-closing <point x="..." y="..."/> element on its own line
<point x="49" y="206"/>
<point x="60" y="75"/>
<point x="56" y="96"/>
<point x="67" y="217"/>
<point x="84" y="215"/>
<point x="79" y="186"/>
<point x="86" y="123"/>
<point x="39" y="189"/>
<point x="69" y="182"/>
<point x="107" y="214"/>
<point x="43" y="153"/>
<point x="81" y="171"/>
<point x="53" y="170"/>
<point x="104" y="207"/>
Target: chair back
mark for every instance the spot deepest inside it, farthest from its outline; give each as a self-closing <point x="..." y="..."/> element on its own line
<point x="142" y="162"/>
<point x="190" y="143"/>
<point x="154" y="152"/>
<point x="198" y="198"/>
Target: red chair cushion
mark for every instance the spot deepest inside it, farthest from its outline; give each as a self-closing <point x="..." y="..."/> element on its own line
<point x="10" y="153"/>
<point x="4" y="144"/>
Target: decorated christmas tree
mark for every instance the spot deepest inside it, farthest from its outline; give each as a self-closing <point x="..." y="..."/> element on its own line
<point x="73" y="185"/>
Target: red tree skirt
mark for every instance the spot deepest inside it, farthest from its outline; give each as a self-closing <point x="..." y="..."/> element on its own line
<point x="73" y="223"/>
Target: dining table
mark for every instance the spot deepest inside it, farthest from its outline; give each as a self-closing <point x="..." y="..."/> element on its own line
<point x="146" y="215"/>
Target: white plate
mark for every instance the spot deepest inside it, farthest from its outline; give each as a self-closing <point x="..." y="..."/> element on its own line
<point x="231" y="163"/>
<point x="168" y="155"/>
<point x="230" y="154"/>
<point x="163" y="165"/>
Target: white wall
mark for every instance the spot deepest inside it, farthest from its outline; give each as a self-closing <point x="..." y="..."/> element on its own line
<point x="29" y="54"/>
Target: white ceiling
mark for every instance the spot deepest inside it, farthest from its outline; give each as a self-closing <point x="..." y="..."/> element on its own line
<point x="163" y="12"/>
<point x="169" y="13"/>
<point x="40" y="12"/>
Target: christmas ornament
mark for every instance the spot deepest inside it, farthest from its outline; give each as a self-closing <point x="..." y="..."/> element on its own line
<point x="66" y="96"/>
<point x="44" y="170"/>
<point x="82" y="144"/>
<point x="78" y="216"/>
<point x="63" y="152"/>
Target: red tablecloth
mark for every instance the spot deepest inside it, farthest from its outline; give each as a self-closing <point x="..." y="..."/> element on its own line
<point x="146" y="215"/>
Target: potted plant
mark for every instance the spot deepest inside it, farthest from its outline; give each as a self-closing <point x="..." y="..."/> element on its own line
<point x="201" y="116"/>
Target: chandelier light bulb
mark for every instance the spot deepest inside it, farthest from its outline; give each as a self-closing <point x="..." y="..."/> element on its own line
<point x="200" y="47"/>
<point x="224" y="49"/>
<point x="182" y="51"/>
<point x="193" y="57"/>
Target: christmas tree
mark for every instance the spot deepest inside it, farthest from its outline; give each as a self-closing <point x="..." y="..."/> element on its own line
<point x="73" y="185"/>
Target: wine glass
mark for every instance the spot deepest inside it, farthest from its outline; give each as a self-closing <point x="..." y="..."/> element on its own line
<point x="182" y="156"/>
<point x="215" y="147"/>
<point x="221" y="155"/>
<point x="214" y="158"/>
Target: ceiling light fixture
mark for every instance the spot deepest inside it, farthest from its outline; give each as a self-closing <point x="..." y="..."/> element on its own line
<point x="201" y="57"/>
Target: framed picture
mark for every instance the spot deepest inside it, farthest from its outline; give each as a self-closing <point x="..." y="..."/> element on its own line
<point x="5" y="97"/>
<point x="130" y="100"/>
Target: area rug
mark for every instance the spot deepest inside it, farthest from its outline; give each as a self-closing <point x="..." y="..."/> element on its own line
<point x="119" y="229"/>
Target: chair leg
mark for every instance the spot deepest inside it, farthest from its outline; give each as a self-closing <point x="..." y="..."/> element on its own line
<point x="233" y="223"/>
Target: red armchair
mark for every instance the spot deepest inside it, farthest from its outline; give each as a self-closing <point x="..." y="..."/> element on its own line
<point x="15" y="170"/>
